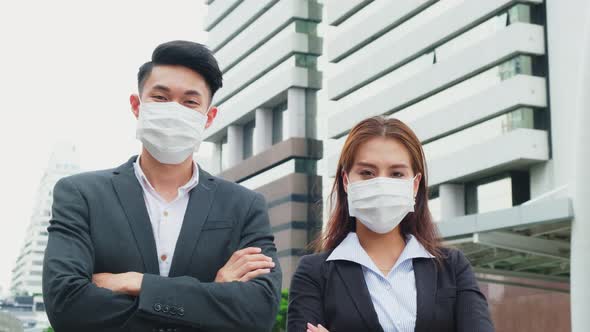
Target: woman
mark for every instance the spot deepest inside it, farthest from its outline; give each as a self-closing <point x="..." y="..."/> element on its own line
<point x="381" y="266"/>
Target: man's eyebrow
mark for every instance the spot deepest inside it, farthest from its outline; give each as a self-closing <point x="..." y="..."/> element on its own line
<point x="161" y="87"/>
<point x="192" y="93"/>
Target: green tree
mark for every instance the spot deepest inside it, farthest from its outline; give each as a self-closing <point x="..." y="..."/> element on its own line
<point x="281" y="322"/>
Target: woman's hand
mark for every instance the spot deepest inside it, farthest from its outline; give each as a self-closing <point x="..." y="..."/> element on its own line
<point x="319" y="328"/>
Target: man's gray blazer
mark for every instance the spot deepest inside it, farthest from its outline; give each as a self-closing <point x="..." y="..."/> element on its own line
<point x="100" y="224"/>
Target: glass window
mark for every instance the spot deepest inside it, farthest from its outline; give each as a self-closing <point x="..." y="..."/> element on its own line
<point x="500" y="125"/>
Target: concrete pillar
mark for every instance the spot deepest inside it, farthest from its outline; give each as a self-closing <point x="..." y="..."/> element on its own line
<point x="263" y="130"/>
<point x="294" y="116"/>
<point x="580" y="246"/>
<point x="452" y="200"/>
<point x="216" y="158"/>
<point x="235" y="145"/>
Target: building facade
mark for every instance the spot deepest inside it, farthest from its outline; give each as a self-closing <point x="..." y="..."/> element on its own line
<point x="26" y="276"/>
<point x="265" y="135"/>
<point x="482" y="85"/>
<point x="497" y="92"/>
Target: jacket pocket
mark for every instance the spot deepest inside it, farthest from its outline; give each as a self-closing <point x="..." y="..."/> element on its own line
<point x="217" y="224"/>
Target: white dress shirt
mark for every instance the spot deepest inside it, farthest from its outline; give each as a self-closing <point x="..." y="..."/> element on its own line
<point x="394" y="295"/>
<point x="166" y="217"/>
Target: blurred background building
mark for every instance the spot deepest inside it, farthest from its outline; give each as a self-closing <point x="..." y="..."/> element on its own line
<point x="27" y="300"/>
<point x="491" y="89"/>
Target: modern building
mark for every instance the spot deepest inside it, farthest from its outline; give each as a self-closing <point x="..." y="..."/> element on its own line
<point x="496" y="90"/>
<point x="492" y="90"/>
<point x="265" y="135"/>
<point x="26" y="277"/>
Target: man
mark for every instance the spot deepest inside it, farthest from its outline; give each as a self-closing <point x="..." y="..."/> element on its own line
<point x="158" y="244"/>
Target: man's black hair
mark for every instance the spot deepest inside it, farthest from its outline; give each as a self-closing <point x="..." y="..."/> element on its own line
<point x="188" y="54"/>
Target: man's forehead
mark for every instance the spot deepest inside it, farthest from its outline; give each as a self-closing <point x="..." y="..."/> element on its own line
<point x="176" y="78"/>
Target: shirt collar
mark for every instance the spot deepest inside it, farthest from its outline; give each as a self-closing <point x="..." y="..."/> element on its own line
<point x="350" y="249"/>
<point x="145" y="183"/>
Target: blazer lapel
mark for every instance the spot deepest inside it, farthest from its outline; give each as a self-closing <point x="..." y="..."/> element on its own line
<point x="200" y="201"/>
<point x="352" y="275"/>
<point x="131" y="198"/>
<point x="425" y="274"/>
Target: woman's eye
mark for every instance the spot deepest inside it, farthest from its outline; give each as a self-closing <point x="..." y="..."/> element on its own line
<point x="397" y="175"/>
<point x="366" y="173"/>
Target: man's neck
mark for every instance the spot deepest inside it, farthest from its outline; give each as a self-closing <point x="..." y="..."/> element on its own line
<point x="166" y="179"/>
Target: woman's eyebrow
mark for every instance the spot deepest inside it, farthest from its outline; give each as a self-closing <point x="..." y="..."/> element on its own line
<point x="399" y="166"/>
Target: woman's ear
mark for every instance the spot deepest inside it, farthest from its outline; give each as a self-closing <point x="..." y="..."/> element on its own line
<point x="417" y="180"/>
<point x="345" y="181"/>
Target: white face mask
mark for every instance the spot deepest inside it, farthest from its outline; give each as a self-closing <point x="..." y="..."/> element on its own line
<point x="381" y="203"/>
<point x="169" y="131"/>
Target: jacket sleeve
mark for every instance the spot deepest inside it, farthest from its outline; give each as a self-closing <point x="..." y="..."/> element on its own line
<point x="305" y="297"/>
<point x="73" y="302"/>
<point x="472" y="314"/>
<point x="234" y="306"/>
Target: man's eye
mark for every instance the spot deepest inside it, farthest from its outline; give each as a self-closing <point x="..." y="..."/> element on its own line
<point x="159" y="97"/>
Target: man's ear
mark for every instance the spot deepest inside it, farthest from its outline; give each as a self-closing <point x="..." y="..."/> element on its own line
<point x="211" y="116"/>
<point x="135" y="102"/>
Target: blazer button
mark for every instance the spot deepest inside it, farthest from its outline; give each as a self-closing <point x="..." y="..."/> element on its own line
<point x="173" y="310"/>
<point x="157" y="307"/>
<point x="181" y="311"/>
<point x="166" y="309"/>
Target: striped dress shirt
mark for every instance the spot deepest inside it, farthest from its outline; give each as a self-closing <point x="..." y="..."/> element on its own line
<point x="394" y="295"/>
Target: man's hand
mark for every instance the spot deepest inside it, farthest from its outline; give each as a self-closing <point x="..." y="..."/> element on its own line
<point x="244" y="265"/>
<point x="127" y="283"/>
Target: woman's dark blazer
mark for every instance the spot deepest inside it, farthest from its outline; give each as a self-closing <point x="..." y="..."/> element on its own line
<point x="334" y="294"/>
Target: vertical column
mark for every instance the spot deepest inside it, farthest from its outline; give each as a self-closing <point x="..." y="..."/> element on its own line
<point x="216" y="158"/>
<point x="452" y="200"/>
<point x="235" y="145"/>
<point x="263" y="130"/>
<point x="580" y="246"/>
<point x="294" y="120"/>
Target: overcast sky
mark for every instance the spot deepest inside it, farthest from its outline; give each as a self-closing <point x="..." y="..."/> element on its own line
<point x="67" y="68"/>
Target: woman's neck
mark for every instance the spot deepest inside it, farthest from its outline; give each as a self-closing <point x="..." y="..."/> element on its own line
<point x="384" y="249"/>
<point x="166" y="179"/>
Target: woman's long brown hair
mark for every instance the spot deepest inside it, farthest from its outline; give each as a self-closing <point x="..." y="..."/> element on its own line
<point x="418" y="223"/>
